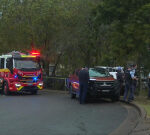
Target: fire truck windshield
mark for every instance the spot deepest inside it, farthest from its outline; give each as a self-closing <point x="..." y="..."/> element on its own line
<point x="26" y="64"/>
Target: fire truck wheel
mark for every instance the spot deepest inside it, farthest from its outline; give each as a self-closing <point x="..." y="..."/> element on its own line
<point x="6" y="89"/>
<point x="34" y="92"/>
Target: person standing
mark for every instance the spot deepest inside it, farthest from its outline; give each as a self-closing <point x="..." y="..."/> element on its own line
<point x="83" y="84"/>
<point x="149" y="86"/>
<point x="128" y="84"/>
<point x="120" y="77"/>
<point x="134" y="80"/>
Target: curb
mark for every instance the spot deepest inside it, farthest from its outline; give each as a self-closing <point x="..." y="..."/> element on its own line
<point x="142" y="115"/>
<point x="141" y="110"/>
<point x="131" y="122"/>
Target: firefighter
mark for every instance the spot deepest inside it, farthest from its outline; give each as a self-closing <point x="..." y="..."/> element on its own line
<point x="83" y="84"/>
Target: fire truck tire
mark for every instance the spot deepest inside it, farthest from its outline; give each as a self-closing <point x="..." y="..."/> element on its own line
<point x="34" y="92"/>
<point x="6" y="89"/>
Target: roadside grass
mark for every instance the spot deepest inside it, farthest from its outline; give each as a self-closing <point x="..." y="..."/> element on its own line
<point x="143" y="101"/>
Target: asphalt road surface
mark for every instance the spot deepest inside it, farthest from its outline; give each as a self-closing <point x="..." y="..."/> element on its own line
<point x="50" y="113"/>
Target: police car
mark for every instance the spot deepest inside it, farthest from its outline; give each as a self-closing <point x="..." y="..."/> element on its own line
<point x="101" y="85"/>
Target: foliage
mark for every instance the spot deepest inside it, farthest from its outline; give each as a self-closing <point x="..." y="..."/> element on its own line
<point x="129" y="29"/>
<point x="75" y="33"/>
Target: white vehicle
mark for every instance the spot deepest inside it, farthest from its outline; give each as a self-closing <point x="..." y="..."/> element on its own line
<point x="111" y="70"/>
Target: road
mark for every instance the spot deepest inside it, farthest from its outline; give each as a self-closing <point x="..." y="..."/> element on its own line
<point x="51" y="113"/>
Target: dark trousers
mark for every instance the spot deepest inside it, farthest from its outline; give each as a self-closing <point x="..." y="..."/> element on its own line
<point x="133" y="90"/>
<point x="128" y="87"/>
<point x="83" y="92"/>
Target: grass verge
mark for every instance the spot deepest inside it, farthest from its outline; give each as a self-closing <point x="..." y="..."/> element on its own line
<point x="143" y="101"/>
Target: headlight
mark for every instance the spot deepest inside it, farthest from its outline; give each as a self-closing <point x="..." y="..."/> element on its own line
<point x="17" y="85"/>
<point x="40" y="84"/>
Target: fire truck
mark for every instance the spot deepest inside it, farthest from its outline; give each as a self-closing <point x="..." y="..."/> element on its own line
<point x="20" y="72"/>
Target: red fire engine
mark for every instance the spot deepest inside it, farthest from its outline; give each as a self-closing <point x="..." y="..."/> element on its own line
<point x="20" y="72"/>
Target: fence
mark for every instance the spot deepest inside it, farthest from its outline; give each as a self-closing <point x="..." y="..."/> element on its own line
<point x="55" y="83"/>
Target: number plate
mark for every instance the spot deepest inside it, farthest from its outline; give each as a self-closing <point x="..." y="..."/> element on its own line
<point x="105" y="90"/>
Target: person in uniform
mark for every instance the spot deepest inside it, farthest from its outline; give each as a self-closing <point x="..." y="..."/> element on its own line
<point x="128" y="84"/>
<point x="120" y="77"/>
<point x="83" y="84"/>
<point x="134" y="77"/>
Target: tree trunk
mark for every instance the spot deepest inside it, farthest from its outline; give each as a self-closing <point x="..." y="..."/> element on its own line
<point x="56" y="64"/>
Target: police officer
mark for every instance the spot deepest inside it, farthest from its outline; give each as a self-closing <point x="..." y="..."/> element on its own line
<point x="120" y="78"/>
<point x="128" y="84"/>
<point x="149" y="86"/>
<point x="134" y="80"/>
<point x="83" y="84"/>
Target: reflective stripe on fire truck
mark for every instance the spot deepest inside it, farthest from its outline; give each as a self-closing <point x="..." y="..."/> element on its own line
<point x="19" y="88"/>
<point x="4" y="70"/>
<point x="28" y="56"/>
<point x="40" y="87"/>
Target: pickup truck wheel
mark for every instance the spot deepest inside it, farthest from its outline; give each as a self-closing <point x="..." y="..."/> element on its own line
<point x="71" y="93"/>
<point x="6" y="89"/>
<point x="116" y="95"/>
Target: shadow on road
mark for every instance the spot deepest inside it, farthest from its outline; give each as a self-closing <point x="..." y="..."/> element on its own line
<point x="98" y="101"/>
<point x="21" y="94"/>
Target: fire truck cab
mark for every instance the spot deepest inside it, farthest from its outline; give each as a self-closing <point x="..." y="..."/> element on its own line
<point x="20" y="72"/>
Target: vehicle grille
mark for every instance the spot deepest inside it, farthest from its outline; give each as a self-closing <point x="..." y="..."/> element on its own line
<point x="99" y="84"/>
<point x="27" y="79"/>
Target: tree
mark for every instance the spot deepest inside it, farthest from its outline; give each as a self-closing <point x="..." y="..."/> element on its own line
<point x="129" y="29"/>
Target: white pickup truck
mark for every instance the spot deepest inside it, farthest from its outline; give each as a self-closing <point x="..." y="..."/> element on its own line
<point x="111" y="70"/>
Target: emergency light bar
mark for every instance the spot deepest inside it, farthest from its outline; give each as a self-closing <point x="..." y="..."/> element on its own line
<point x="35" y="53"/>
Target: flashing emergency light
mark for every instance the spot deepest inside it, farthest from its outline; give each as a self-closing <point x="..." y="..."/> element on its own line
<point x="35" y="78"/>
<point x="35" y="53"/>
<point x="15" y="76"/>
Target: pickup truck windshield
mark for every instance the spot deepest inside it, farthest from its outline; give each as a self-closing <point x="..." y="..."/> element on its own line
<point x="26" y="64"/>
<point x="98" y="72"/>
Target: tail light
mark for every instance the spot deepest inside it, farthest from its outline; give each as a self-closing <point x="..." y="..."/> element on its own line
<point x="75" y="85"/>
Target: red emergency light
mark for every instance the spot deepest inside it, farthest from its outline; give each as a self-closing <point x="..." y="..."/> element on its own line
<point x="35" y="53"/>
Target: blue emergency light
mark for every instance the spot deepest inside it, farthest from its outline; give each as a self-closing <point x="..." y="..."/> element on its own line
<point x="15" y="76"/>
<point x="35" y="78"/>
